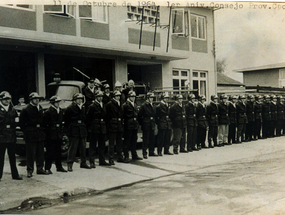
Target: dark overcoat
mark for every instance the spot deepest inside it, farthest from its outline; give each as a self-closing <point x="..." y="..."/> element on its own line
<point x="273" y="108"/>
<point x="96" y="119"/>
<point x="201" y="115"/>
<point x="130" y="116"/>
<point x="258" y="110"/>
<point x="114" y="117"/>
<point x="241" y="113"/>
<point x="147" y="116"/>
<point x="162" y="116"/>
<point x="280" y="110"/>
<point x="223" y="113"/>
<point x="250" y="111"/>
<point x="89" y="96"/>
<point x="7" y="125"/>
<point x="266" y="111"/>
<point x="212" y="114"/>
<point x="232" y="113"/>
<point x="191" y="112"/>
<point x="52" y="123"/>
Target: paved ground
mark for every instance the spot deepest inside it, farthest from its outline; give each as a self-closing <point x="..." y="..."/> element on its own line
<point x="239" y="167"/>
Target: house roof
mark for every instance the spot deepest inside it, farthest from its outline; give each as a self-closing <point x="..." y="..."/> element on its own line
<point x="269" y="66"/>
<point x="226" y="80"/>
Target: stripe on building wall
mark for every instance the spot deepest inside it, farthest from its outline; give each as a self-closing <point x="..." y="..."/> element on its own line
<point x="199" y="46"/>
<point x="147" y="37"/>
<point x="59" y="25"/>
<point x="95" y="30"/>
<point x="180" y="43"/>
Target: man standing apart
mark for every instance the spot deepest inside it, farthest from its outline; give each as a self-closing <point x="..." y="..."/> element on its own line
<point x="74" y="119"/>
<point x="52" y="122"/>
<point x="31" y="121"/>
<point x="190" y="109"/>
<point x="164" y="125"/>
<point x="131" y="125"/>
<point x="8" y="134"/>
<point x="147" y="121"/>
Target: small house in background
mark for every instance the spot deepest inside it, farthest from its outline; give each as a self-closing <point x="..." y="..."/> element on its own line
<point x="229" y="86"/>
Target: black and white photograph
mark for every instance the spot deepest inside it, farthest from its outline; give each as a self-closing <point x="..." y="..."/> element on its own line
<point x="142" y="107"/>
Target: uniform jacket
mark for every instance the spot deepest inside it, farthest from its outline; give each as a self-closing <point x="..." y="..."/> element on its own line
<point x="232" y="113"/>
<point x="89" y="96"/>
<point x="223" y="114"/>
<point x="241" y="113"/>
<point x="52" y="123"/>
<point x="258" y="110"/>
<point x="162" y="116"/>
<point x="106" y="98"/>
<point x="273" y="108"/>
<point x="114" y="116"/>
<point x="266" y="112"/>
<point x="280" y="110"/>
<point x="96" y="119"/>
<point x="250" y="111"/>
<point x="212" y="114"/>
<point x="191" y="114"/>
<point x="31" y="121"/>
<point x="201" y="115"/>
<point x="74" y="118"/>
<point x="177" y="115"/>
<point x="7" y="125"/>
<point x="130" y="116"/>
<point x="147" y="116"/>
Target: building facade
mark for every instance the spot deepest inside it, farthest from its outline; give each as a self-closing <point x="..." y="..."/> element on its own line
<point x="160" y="46"/>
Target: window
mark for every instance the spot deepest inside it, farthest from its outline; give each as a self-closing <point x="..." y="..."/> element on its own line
<point x="198" y="29"/>
<point x="180" y="79"/>
<point x="94" y="13"/>
<point x="21" y="6"/>
<point x="61" y="10"/>
<point x="180" y="22"/>
<point x="150" y="13"/>
<point x="199" y="82"/>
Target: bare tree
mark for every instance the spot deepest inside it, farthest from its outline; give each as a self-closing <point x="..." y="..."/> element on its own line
<point x="221" y="65"/>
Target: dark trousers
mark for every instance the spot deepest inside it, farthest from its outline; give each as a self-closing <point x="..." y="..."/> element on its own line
<point x="130" y="143"/>
<point x="163" y="140"/>
<point x="148" y="141"/>
<point x="213" y="135"/>
<point x="266" y="128"/>
<point x="12" y="158"/>
<point x="279" y="127"/>
<point x="283" y="127"/>
<point x="53" y="152"/>
<point x="76" y="142"/>
<point x="191" y="137"/>
<point x="177" y="135"/>
<point x="272" y="127"/>
<point x="241" y="128"/>
<point x="201" y="136"/>
<point x="35" y="151"/>
<point x="232" y="133"/>
<point x="94" y="138"/>
<point x="257" y="128"/>
<point x="183" y="139"/>
<point x="115" y="137"/>
<point x="249" y="130"/>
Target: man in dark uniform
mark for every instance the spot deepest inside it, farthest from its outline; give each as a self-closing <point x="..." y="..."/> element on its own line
<point x="163" y="125"/>
<point x="224" y="121"/>
<point x="273" y="121"/>
<point x="107" y="94"/>
<point x="258" y="117"/>
<point x="89" y="93"/>
<point x="52" y="123"/>
<point x="266" y="117"/>
<point x="96" y="116"/>
<point x="213" y="120"/>
<point x="147" y="121"/>
<point x="115" y="128"/>
<point x="8" y="134"/>
<point x="233" y="119"/>
<point x="31" y="121"/>
<point x="241" y="119"/>
<point x="249" y="133"/>
<point x="74" y="119"/>
<point x="190" y="109"/>
<point x="280" y="115"/>
<point x="131" y="126"/>
<point x="202" y="122"/>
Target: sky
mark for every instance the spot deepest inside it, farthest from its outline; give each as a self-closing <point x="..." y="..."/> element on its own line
<point x="250" y="37"/>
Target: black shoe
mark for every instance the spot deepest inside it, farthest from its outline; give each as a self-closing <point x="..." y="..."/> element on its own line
<point x="61" y="170"/>
<point x="145" y="156"/>
<point x="136" y="158"/>
<point x="168" y="153"/>
<point x="127" y="160"/>
<point x="189" y="150"/>
<point x="18" y="178"/>
<point x="160" y="154"/>
<point x="49" y="172"/>
<point x="111" y="162"/>
<point x="175" y="152"/>
<point x="29" y="175"/>
<point x="69" y="169"/>
<point x="92" y="165"/>
<point x="104" y="163"/>
<point x="205" y="147"/>
<point x="152" y="154"/>
<point x="42" y="172"/>
<point x="85" y="166"/>
<point x="120" y="160"/>
<point x="183" y="151"/>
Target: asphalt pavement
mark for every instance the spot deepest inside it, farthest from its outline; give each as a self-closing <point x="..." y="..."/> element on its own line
<point x="46" y="190"/>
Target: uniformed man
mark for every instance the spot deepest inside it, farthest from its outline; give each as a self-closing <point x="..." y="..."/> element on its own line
<point x="52" y="123"/>
<point x="74" y="119"/>
<point x="213" y="120"/>
<point x="96" y="123"/>
<point x="89" y="93"/>
<point x="223" y="130"/>
<point x="115" y="128"/>
<point x="241" y="119"/>
<point x="258" y="117"/>
<point x="280" y="115"/>
<point x="147" y="120"/>
<point x="164" y="125"/>
<point x="130" y="87"/>
<point x="131" y="126"/>
<point x="266" y="117"/>
<point x="119" y="87"/>
<point x="249" y="133"/>
<point x="202" y="122"/>
<point x="21" y="101"/>
<point x="31" y="122"/>
<point x="233" y="119"/>
<point x="8" y="134"/>
<point x="273" y="121"/>
<point x="107" y="94"/>
<point x="190" y="109"/>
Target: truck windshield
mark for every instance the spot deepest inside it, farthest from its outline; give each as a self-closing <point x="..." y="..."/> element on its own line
<point x="65" y="92"/>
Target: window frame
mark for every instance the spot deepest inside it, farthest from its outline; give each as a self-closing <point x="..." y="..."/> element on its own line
<point x="185" y="20"/>
<point x="197" y="26"/>
<point x="95" y="14"/>
<point x="63" y="12"/>
<point x="180" y="78"/>
<point x="14" y="6"/>
<point x="200" y="79"/>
